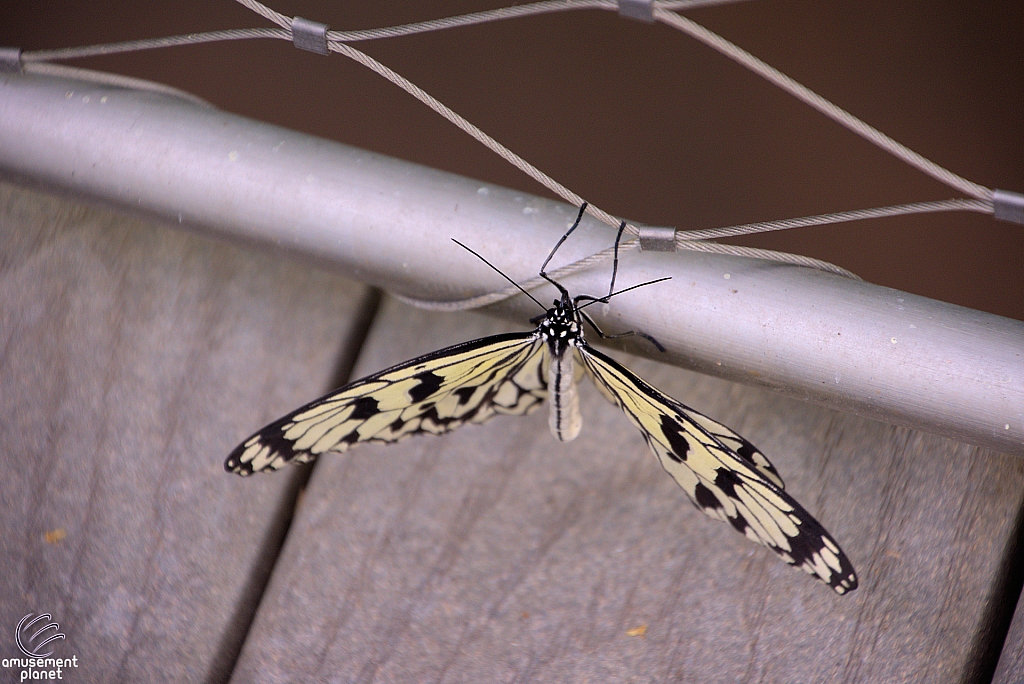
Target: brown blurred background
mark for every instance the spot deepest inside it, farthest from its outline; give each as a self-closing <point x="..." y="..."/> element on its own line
<point x="642" y="120"/>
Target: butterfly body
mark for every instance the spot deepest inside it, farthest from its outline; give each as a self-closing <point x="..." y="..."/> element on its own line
<point x="562" y="331"/>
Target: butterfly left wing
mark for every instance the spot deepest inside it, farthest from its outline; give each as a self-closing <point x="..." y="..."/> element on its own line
<point x="725" y="476"/>
<point x="435" y="393"/>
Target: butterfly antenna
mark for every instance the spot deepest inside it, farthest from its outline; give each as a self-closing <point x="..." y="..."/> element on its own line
<point x="595" y="300"/>
<point x="498" y="271"/>
<point x="558" y="244"/>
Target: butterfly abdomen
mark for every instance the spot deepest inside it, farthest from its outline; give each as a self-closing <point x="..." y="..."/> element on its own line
<point x="565" y="420"/>
<point x="560" y="331"/>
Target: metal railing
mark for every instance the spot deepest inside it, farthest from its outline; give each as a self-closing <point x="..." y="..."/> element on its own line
<point x="811" y="335"/>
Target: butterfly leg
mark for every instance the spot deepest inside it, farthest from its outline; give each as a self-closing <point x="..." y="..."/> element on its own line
<point x="579" y="217"/>
<point x="615" y="261"/>
<point x="631" y="333"/>
<point x="543" y="273"/>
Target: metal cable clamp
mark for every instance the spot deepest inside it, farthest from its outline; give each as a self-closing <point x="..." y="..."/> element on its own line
<point x="1009" y="206"/>
<point x="10" y="60"/>
<point x="655" y="239"/>
<point x="641" y="10"/>
<point x="310" y="35"/>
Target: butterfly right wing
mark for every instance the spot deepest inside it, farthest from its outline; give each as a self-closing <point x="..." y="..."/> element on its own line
<point x="434" y="393"/>
<point x="725" y="477"/>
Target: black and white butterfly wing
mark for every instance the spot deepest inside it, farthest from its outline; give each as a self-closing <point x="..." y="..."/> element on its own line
<point x="434" y="393"/>
<point x="725" y="476"/>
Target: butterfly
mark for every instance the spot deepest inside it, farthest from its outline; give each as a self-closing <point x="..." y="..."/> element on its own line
<point x="725" y="476"/>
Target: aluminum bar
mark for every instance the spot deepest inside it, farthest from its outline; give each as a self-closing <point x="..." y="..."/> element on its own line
<point x="850" y="345"/>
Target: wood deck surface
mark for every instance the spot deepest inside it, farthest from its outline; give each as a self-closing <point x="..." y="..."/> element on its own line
<point x="133" y="357"/>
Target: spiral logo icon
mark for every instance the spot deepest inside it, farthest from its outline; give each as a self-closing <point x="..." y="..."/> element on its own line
<point x="32" y="643"/>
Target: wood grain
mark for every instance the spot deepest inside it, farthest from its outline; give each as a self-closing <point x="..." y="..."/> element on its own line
<point x="496" y="554"/>
<point x="132" y="358"/>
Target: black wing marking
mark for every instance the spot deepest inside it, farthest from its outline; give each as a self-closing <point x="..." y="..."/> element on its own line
<point x="434" y="393"/>
<point x="724" y="475"/>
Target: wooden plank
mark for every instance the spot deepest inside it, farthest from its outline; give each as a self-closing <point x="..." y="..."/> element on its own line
<point x="132" y="358"/>
<point x="496" y="554"/>
<point x="1011" y="660"/>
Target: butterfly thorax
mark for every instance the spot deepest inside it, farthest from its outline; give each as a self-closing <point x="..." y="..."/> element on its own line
<point x="561" y="331"/>
<point x="560" y="328"/>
